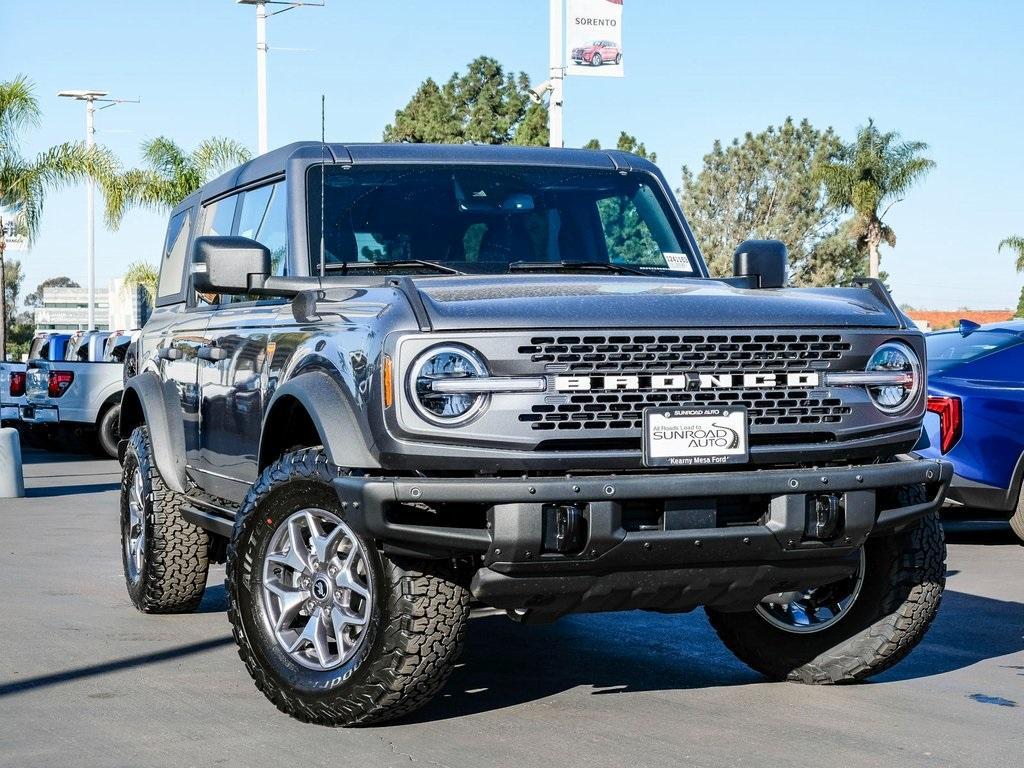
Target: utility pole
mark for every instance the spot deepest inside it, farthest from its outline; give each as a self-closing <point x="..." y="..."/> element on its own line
<point x="90" y="98"/>
<point x="261" y="60"/>
<point x="556" y="36"/>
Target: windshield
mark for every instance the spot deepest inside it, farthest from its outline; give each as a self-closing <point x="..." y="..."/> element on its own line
<point x="482" y="219"/>
<point x="950" y="348"/>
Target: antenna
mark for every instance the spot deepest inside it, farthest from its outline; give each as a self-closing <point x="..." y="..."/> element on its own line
<point x="323" y="175"/>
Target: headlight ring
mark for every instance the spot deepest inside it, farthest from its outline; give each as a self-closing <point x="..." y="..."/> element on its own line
<point x="446" y="362"/>
<point x="895" y="357"/>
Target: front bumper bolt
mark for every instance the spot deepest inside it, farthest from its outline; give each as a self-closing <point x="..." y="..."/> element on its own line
<point x="533" y="490"/>
<point x="859" y="478"/>
<point x="929" y="474"/>
<point x="575" y="489"/>
<point x="647" y="545"/>
<point x="824" y="481"/>
<point x="415" y="493"/>
<point x="698" y="543"/>
<point x="609" y="490"/>
<point x="794" y="483"/>
<point x="746" y="540"/>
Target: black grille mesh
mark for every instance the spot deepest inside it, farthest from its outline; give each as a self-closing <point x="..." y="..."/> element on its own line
<point x="646" y="354"/>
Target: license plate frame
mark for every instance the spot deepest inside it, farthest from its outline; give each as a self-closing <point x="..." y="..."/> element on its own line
<point x="695" y="436"/>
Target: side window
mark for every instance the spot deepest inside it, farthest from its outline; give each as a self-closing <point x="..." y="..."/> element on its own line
<point x="219" y="217"/>
<point x="264" y="218"/>
<point x="172" y="264"/>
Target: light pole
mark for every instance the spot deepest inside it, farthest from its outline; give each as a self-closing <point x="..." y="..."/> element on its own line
<point x="261" y="60"/>
<point x="90" y="98"/>
<point x="556" y="38"/>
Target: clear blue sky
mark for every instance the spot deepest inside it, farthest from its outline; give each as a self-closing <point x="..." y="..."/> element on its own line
<point x="946" y="72"/>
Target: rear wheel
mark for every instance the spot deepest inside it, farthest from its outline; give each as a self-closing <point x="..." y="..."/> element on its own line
<point x="332" y="630"/>
<point x="164" y="556"/>
<point x="855" y="628"/>
<point x="107" y="435"/>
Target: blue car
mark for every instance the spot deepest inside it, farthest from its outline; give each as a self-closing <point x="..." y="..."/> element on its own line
<point x="976" y="416"/>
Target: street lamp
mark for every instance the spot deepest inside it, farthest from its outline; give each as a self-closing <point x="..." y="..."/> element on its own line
<point x="261" y="59"/>
<point x="90" y="98"/>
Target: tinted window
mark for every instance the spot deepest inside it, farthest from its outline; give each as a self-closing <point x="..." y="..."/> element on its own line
<point x="264" y="218"/>
<point x="219" y="217"/>
<point x="948" y="349"/>
<point x="172" y="265"/>
<point x="482" y="219"/>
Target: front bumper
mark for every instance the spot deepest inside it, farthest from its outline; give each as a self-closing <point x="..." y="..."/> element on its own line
<point x="672" y="568"/>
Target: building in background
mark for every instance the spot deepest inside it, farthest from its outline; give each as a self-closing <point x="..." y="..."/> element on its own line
<point x="118" y="307"/>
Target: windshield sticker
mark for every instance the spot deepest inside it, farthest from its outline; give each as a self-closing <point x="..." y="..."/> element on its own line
<point x="677" y="262"/>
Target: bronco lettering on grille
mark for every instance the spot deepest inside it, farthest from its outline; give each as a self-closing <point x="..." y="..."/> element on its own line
<point x="687" y="381"/>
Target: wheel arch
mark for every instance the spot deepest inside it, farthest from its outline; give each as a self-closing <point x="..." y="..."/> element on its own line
<point x="147" y="402"/>
<point x="313" y="409"/>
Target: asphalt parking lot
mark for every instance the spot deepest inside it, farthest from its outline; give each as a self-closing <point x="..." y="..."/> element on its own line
<point x="85" y="680"/>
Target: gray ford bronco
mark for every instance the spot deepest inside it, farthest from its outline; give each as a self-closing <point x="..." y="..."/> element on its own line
<point x="385" y="382"/>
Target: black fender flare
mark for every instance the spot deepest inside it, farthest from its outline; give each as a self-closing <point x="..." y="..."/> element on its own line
<point x="332" y="412"/>
<point x="146" y="400"/>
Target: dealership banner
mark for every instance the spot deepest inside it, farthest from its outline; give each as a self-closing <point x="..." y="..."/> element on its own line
<point x="594" y="38"/>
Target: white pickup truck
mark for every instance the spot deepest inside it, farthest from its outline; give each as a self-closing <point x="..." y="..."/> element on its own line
<point x="81" y="393"/>
<point x="45" y="346"/>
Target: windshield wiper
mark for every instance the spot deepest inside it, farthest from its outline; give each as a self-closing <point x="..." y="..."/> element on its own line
<point x="583" y="266"/>
<point x="399" y="263"/>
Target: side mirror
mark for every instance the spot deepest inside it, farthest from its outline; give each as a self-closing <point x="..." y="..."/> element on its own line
<point x="766" y="261"/>
<point x="229" y="265"/>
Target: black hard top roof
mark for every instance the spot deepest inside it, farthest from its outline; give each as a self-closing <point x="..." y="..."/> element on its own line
<point x="275" y="162"/>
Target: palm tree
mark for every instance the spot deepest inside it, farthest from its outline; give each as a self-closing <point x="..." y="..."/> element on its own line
<point x="876" y="170"/>
<point x="24" y="181"/>
<point x="1015" y="244"/>
<point x="169" y="176"/>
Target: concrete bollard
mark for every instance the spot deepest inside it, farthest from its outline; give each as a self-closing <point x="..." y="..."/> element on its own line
<point x="12" y="482"/>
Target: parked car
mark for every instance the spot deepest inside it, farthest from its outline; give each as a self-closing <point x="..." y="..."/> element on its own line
<point x="13" y="382"/>
<point x="976" y="417"/>
<point x="470" y="379"/>
<point x="12" y="392"/>
<point x="86" y="346"/>
<point x="80" y="396"/>
<point x="597" y="53"/>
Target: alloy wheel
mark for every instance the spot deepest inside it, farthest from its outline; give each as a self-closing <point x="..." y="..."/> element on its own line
<point x="814" y="609"/>
<point x="135" y="536"/>
<point x="317" y="589"/>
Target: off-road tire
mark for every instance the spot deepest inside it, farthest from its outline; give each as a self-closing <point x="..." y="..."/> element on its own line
<point x="107" y="435"/>
<point x="415" y="632"/>
<point x="173" y="574"/>
<point x="1017" y="521"/>
<point x="904" y="579"/>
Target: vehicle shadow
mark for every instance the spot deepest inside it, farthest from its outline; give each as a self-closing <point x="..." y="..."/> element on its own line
<point x="988" y="532"/>
<point x="505" y="664"/>
<point x="70" y="490"/>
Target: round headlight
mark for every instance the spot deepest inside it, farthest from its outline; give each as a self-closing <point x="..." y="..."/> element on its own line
<point x="440" y="364"/>
<point x="895" y="357"/>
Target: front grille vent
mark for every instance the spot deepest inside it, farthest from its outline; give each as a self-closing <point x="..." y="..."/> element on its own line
<point x="699" y="353"/>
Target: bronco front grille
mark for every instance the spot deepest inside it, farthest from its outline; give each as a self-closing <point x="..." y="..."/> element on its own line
<point x="652" y="354"/>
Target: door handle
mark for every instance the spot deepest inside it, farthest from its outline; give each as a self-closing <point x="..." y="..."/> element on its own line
<point x="169" y="353"/>
<point x="212" y="353"/>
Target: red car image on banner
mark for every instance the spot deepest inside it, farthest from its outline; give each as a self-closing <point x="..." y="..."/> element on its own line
<point x="597" y="53"/>
<point x="594" y="37"/>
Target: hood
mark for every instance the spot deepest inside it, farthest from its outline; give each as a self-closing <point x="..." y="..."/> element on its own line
<point x="586" y="301"/>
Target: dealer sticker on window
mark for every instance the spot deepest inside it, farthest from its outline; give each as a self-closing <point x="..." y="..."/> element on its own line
<point x="695" y="436"/>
